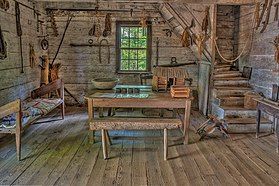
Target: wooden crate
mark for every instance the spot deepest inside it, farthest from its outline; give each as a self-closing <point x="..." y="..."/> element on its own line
<point x="249" y="102"/>
<point x="178" y="91"/>
<point x="159" y="83"/>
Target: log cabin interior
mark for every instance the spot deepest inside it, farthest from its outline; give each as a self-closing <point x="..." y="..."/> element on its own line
<point x="139" y="92"/>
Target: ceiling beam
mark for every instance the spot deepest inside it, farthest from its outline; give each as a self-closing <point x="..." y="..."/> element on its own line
<point x="226" y="2"/>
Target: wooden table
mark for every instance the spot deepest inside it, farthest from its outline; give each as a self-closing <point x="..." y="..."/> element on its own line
<point x="272" y="109"/>
<point x="154" y="100"/>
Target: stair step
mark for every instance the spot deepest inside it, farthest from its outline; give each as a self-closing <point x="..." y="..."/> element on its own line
<point x="247" y="125"/>
<point x="221" y="69"/>
<point x="222" y="66"/>
<point x="226" y="72"/>
<point x="229" y="101"/>
<point x="230" y="74"/>
<point x="230" y="91"/>
<point x="231" y="82"/>
<point x="238" y="111"/>
<point x="232" y="111"/>
<point x="231" y="79"/>
<point x="232" y="88"/>
<point x="246" y="121"/>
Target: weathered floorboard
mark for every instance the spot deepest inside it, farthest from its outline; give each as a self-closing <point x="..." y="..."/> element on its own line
<point x="60" y="154"/>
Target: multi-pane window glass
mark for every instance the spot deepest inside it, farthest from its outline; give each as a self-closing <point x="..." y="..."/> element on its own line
<point x="133" y="48"/>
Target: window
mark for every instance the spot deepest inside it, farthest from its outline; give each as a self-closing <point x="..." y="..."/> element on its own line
<point x="133" y="47"/>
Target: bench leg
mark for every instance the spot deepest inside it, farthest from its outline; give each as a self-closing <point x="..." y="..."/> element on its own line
<point x="162" y="111"/>
<point x="108" y="138"/>
<point x="104" y="144"/>
<point x="101" y="112"/>
<point x="174" y="113"/>
<point x="109" y="111"/>
<point x="18" y="145"/>
<point x="165" y="144"/>
<point x="62" y="108"/>
<point x="91" y="136"/>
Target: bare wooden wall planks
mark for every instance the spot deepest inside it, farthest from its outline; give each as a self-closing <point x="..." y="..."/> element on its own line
<point x="227" y="31"/>
<point x="80" y="64"/>
<point x="13" y="84"/>
<point x="260" y="53"/>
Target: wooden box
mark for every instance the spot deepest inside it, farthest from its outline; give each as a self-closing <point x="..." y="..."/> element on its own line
<point x="159" y="83"/>
<point x="178" y="91"/>
<point x="249" y="102"/>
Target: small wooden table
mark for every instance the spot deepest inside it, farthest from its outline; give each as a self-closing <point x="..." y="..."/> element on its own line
<point x="272" y="109"/>
<point x="154" y="100"/>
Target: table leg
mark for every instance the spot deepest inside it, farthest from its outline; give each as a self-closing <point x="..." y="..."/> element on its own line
<point x="104" y="144"/>
<point x="90" y="118"/>
<point x="277" y="134"/>
<point x="275" y="125"/>
<point x="186" y="123"/>
<point x="258" y="122"/>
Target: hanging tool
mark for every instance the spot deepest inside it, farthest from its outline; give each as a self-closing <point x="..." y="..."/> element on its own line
<point x="32" y="56"/>
<point x="157" y="51"/>
<point x="44" y="44"/>
<point x="168" y="32"/>
<point x="19" y="32"/>
<point x="53" y="24"/>
<point x="267" y="16"/>
<point x="38" y="22"/>
<point x="262" y="14"/>
<point x="100" y="50"/>
<point x="63" y="36"/>
<point x="108" y="22"/>
<point x="4" y="4"/>
<point x="276" y="14"/>
<point x="186" y="38"/>
<point x="206" y="20"/>
<point x="3" y="46"/>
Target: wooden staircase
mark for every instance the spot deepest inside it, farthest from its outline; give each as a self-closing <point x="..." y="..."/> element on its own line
<point x="228" y="100"/>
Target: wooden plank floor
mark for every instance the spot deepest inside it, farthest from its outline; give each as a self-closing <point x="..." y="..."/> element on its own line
<point x="58" y="153"/>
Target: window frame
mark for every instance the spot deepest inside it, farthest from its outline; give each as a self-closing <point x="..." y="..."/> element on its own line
<point x="120" y="24"/>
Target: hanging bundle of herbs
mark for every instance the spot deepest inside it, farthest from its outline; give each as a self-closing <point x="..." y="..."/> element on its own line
<point x="186" y="38"/>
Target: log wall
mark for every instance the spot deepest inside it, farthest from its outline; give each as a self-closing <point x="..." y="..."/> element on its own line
<point x="13" y="83"/>
<point x="81" y="64"/>
<point x="227" y="31"/>
<point x="259" y="53"/>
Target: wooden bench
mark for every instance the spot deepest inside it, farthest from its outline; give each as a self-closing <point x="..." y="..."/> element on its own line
<point x="111" y="123"/>
<point x="15" y="107"/>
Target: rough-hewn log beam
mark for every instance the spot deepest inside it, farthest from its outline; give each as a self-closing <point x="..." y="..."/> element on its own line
<point x="228" y="2"/>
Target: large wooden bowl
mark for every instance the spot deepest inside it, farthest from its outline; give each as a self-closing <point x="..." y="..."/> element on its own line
<point x="104" y="83"/>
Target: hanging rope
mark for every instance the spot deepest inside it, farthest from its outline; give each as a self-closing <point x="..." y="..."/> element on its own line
<point x="255" y="17"/>
<point x="233" y="60"/>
